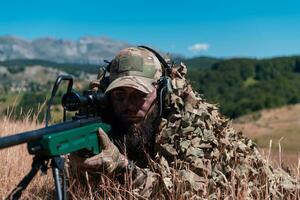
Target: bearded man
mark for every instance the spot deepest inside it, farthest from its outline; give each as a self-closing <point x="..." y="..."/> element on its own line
<point x="174" y="144"/>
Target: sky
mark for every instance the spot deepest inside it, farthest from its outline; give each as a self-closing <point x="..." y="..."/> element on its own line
<point x="231" y="28"/>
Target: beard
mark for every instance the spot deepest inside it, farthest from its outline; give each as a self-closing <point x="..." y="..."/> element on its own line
<point x="140" y="138"/>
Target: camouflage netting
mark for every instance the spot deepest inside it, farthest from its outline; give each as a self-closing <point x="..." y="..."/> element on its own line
<point x="199" y="155"/>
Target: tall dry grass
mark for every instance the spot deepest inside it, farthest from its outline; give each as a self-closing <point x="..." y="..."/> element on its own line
<point x="15" y="162"/>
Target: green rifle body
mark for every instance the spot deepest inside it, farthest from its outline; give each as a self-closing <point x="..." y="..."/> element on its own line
<point x="68" y="141"/>
<point x="61" y="138"/>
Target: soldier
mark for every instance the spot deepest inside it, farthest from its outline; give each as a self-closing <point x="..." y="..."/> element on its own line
<point x="188" y="150"/>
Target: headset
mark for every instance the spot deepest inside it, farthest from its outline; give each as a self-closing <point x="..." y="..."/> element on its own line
<point x="164" y="89"/>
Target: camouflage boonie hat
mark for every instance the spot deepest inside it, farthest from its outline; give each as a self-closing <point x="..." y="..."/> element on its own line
<point x="134" y="67"/>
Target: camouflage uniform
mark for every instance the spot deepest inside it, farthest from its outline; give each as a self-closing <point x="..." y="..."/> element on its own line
<point x="198" y="155"/>
<point x="197" y="147"/>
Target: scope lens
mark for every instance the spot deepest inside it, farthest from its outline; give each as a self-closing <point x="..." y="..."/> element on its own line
<point x="71" y="101"/>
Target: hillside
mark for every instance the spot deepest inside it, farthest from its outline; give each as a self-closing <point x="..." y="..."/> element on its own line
<point x="280" y="125"/>
<point x="240" y="86"/>
<point x="243" y="85"/>
<point x="201" y="62"/>
<point x="25" y="85"/>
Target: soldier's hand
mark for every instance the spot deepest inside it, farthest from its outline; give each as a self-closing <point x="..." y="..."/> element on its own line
<point x="109" y="160"/>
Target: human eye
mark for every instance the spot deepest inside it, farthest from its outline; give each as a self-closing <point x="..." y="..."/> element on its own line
<point x="139" y="95"/>
<point x="118" y="95"/>
<point x="117" y="91"/>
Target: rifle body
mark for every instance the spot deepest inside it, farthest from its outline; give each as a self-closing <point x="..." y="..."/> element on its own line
<point x="60" y="139"/>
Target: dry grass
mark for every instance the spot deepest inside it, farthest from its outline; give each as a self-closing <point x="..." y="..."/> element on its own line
<point x="275" y="124"/>
<point x="15" y="163"/>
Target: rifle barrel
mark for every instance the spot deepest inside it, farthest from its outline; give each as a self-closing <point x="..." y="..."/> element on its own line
<point x="30" y="136"/>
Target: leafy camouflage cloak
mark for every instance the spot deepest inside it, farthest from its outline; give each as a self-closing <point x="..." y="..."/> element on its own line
<point x="200" y="156"/>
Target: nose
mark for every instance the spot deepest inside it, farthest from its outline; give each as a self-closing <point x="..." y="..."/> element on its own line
<point x="131" y="107"/>
<point x="128" y="104"/>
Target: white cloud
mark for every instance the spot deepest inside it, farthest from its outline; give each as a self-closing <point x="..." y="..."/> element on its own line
<point x="198" y="47"/>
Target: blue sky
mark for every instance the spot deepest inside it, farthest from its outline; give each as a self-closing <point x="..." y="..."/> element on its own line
<point x="212" y="28"/>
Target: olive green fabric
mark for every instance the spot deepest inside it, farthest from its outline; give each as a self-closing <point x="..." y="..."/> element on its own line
<point x="134" y="67"/>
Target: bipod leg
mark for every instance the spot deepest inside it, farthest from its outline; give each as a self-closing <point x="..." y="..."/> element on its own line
<point x="37" y="164"/>
<point x="57" y="165"/>
<point x="64" y="184"/>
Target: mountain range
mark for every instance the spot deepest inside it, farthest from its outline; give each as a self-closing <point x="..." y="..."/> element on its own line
<point x="88" y="49"/>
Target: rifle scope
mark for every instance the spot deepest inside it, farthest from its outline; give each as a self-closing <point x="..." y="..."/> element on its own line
<point x="74" y="101"/>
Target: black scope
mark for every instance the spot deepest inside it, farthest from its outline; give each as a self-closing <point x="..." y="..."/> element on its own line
<point x="73" y="101"/>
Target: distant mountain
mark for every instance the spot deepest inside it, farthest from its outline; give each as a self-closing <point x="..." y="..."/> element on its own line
<point x="90" y="50"/>
<point x="86" y="50"/>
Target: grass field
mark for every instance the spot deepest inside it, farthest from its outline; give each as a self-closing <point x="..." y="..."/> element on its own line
<point x="279" y="127"/>
<point x="15" y="163"/>
<point x="9" y="100"/>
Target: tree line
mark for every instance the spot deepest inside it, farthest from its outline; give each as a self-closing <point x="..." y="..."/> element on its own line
<point x="241" y="86"/>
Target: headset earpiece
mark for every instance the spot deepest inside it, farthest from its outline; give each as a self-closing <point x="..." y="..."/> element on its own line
<point x="164" y="91"/>
<point x="164" y="88"/>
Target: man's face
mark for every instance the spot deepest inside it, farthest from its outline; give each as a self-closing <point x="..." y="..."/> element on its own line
<point x="131" y="105"/>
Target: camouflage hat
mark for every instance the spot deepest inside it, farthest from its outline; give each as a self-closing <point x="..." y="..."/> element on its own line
<point x="134" y="67"/>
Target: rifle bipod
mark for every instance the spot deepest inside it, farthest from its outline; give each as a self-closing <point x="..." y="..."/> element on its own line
<point x="41" y="163"/>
